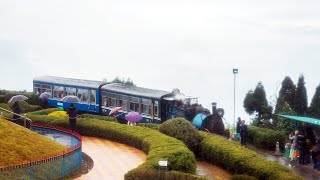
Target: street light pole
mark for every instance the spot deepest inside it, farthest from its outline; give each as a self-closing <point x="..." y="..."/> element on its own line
<point x="235" y="71"/>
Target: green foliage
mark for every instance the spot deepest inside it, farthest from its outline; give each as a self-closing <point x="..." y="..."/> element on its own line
<point x="284" y="124"/>
<point x="33" y="99"/>
<point x="183" y="130"/>
<point x="286" y="94"/>
<point x="93" y="116"/>
<point x="314" y="109"/>
<point x="256" y="102"/>
<point x="238" y="159"/>
<point x="155" y="144"/>
<point x="301" y="98"/>
<point x="242" y="177"/>
<point x="151" y="174"/>
<point x="123" y="81"/>
<point x="26" y="107"/>
<point x="150" y="125"/>
<point x="266" y="138"/>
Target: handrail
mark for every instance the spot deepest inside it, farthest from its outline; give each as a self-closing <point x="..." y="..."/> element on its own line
<point x="25" y="118"/>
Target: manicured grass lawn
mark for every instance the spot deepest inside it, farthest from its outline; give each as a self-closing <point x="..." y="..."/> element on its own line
<point x="18" y="144"/>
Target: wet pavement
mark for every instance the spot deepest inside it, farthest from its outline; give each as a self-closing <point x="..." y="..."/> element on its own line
<point x="305" y="171"/>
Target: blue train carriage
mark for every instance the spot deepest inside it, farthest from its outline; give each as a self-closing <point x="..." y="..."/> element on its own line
<point x="155" y="106"/>
<point x="86" y="90"/>
<point x="145" y="101"/>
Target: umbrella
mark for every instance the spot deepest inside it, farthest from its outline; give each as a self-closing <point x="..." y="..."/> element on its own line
<point x="45" y="95"/>
<point x="70" y="99"/>
<point x="114" y="110"/>
<point x="133" y="117"/>
<point x="17" y="98"/>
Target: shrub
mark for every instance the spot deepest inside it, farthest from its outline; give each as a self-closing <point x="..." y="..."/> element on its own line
<point x="150" y="125"/>
<point x="183" y="130"/>
<point x="59" y="114"/>
<point x="33" y="99"/>
<point x="265" y="138"/>
<point x="238" y="159"/>
<point x="242" y="177"/>
<point x="26" y="107"/>
<point x="93" y="116"/>
<point x="155" y="144"/>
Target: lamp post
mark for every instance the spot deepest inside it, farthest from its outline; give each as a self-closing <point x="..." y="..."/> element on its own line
<point x="235" y="71"/>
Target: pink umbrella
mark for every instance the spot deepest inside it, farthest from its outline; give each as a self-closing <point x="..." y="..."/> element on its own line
<point x="133" y="117"/>
<point x="114" y="110"/>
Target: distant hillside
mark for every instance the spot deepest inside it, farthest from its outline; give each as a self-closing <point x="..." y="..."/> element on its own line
<point x="18" y="144"/>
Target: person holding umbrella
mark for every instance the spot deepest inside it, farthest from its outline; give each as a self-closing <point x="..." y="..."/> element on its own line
<point x="72" y="117"/>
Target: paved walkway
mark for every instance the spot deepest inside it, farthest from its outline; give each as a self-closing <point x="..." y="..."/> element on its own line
<point x="305" y="171"/>
<point x="112" y="160"/>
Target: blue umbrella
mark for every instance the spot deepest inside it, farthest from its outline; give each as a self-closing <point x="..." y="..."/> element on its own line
<point x="45" y="95"/>
<point x="70" y="99"/>
<point x="17" y="98"/>
<point x="198" y="120"/>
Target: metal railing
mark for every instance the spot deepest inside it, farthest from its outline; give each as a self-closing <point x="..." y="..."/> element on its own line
<point x="24" y="118"/>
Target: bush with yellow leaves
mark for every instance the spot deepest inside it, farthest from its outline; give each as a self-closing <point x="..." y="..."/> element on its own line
<point x="59" y="114"/>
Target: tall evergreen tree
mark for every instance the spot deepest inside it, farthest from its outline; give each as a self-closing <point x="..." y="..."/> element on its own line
<point x="314" y="109"/>
<point x="286" y="94"/>
<point x="284" y="124"/>
<point x="301" y="99"/>
<point x="256" y="102"/>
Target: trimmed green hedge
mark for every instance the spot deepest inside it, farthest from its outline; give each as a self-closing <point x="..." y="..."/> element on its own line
<point x="183" y="130"/>
<point x="266" y="138"/>
<point x="238" y="159"/>
<point x="155" y="144"/>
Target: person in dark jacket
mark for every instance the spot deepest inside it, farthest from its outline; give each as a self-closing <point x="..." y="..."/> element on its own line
<point x="243" y="132"/>
<point x="16" y="109"/>
<point x="302" y="147"/>
<point x="238" y="127"/>
<point x="72" y="117"/>
<point x="315" y="152"/>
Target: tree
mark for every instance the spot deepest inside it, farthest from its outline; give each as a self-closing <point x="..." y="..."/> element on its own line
<point x="284" y="124"/>
<point x="118" y="80"/>
<point x="314" y="109"/>
<point x="256" y="102"/>
<point x="286" y="94"/>
<point x="301" y="99"/>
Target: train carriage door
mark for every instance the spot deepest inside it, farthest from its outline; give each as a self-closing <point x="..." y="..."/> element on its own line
<point x="93" y="99"/>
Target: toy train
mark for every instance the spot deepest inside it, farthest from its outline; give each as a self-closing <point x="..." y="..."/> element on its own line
<point x="155" y="106"/>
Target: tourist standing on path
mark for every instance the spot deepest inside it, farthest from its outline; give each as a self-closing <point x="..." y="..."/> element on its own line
<point x="16" y="109"/>
<point x="294" y="146"/>
<point x="243" y="132"/>
<point x="72" y="117"/>
<point x="302" y="147"/>
<point x="238" y="128"/>
<point x="315" y="152"/>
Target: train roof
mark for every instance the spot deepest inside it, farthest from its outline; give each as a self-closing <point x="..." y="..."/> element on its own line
<point x="68" y="81"/>
<point x="134" y="90"/>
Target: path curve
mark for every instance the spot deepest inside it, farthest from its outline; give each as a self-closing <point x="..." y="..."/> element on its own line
<point x="112" y="160"/>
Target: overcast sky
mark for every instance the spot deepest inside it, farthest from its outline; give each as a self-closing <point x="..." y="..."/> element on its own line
<point x="192" y="45"/>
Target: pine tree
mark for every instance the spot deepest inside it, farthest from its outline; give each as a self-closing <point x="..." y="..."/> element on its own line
<point x="286" y="94"/>
<point x="314" y="109"/>
<point x="300" y="99"/>
<point x="284" y="124"/>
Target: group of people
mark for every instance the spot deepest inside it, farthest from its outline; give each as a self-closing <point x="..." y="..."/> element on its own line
<point x="299" y="149"/>
<point x="242" y="131"/>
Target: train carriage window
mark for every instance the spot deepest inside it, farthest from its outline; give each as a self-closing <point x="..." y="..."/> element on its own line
<point x="71" y="91"/>
<point x="83" y="95"/>
<point x="93" y="96"/>
<point x="155" y="110"/>
<point x="35" y="88"/>
<point x="124" y="105"/>
<point x="45" y="88"/>
<point x="146" y="106"/>
<point x="58" y="92"/>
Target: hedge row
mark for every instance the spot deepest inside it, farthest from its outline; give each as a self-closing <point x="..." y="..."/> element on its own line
<point x="238" y="159"/>
<point x="157" y="145"/>
<point x="266" y="138"/>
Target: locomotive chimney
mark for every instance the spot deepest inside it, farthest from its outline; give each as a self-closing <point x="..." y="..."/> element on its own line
<point x="214" y="107"/>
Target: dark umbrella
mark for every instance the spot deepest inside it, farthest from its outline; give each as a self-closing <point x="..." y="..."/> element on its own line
<point x="70" y="99"/>
<point x="17" y="98"/>
<point x="45" y="95"/>
<point x="133" y="117"/>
